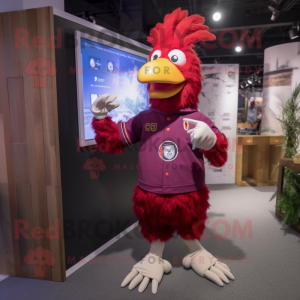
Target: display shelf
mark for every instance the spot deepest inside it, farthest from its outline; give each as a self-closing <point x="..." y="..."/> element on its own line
<point x="244" y="125"/>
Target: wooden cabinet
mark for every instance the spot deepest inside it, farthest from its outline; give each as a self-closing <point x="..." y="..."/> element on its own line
<point x="256" y="159"/>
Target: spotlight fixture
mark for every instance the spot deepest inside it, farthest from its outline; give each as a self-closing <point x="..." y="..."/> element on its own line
<point x="92" y="18"/>
<point x="238" y="49"/>
<point x="294" y="32"/>
<point x="217" y="16"/>
<point x="274" y="8"/>
<point x="88" y="16"/>
<point x="250" y="80"/>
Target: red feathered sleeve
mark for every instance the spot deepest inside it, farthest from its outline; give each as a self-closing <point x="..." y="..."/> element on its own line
<point x="217" y="156"/>
<point x="107" y="136"/>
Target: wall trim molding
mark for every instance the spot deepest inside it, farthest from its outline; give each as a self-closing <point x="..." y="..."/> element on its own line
<point x="91" y="256"/>
<point x="2" y="277"/>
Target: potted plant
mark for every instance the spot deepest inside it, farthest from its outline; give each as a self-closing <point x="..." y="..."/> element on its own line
<point x="288" y="202"/>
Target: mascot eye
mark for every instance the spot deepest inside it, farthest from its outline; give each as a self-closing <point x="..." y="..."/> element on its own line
<point x="177" y="57"/>
<point x="156" y="54"/>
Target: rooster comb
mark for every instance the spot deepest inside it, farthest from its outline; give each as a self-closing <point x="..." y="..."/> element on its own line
<point x="180" y="29"/>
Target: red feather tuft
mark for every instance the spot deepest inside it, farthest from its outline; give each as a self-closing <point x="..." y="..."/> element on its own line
<point x="160" y="215"/>
<point x="190" y="22"/>
<point x="107" y="136"/>
<point x="217" y="156"/>
<point x="180" y="29"/>
<point x="200" y="35"/>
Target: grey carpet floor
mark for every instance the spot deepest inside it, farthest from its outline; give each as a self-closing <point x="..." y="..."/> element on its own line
<point x="266" y="263"/>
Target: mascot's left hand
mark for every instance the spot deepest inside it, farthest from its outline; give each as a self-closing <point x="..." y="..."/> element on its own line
<point x="201" y="136"/>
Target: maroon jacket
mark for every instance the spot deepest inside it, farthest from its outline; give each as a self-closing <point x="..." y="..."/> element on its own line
<point x="167" y="163"/>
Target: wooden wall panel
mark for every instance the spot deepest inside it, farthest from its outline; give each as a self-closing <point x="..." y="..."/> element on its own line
<point x="57" y="248"/>
<point x="11" y="22"/>
<point x="21" y="168"/>
<point x="3" y="166"/>
<point x="3" y="179"/>
<point x="36" y="155"/>
<point x="47" y="93"/>
<point x="30" y="133"/>
<point x="17" y="110"/>
<point x="7" y="196"/>
<point x="45" y="28"/>
<point x="3" y="269"/>
<point x="23" y="194"/>
<point x="8" y="265"/>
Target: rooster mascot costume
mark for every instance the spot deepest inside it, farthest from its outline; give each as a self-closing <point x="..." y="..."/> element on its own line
<point x="174" y="136"/>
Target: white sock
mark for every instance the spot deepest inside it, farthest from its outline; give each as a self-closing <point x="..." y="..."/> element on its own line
<point x="193" y="245"/>
<point x="157" y="248"/>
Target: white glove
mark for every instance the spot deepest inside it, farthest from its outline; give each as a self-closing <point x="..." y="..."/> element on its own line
<point x="206" y="265"/>
<point x="150" y="267"/>
<point x="102" y="106"/>
<point x="201" y="136"/>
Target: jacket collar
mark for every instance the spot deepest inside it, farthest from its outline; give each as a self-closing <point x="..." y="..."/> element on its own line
<point x="181" y="111"/>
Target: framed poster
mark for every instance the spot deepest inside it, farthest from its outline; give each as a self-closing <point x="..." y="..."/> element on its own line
<point x="219" y="101"/>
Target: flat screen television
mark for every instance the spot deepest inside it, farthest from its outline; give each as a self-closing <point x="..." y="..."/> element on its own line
<point x="107" y="68"/>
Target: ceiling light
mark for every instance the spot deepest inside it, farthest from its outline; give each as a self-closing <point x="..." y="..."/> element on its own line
<point x="217" y="16"/>
<point x="275" y="13"/>
<point x="274" y="8"/>
<point x="238" y="49"/>
<point x="293" y="33"/>
<point x="92" y="18"/>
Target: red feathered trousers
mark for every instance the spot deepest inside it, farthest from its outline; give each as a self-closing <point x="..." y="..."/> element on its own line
<point x="161" y="215"/>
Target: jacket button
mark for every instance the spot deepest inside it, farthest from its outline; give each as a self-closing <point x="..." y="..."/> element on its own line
<point x="168" y="129"/>
<point x="168" y="118"/>
<point x="167" y="174"/>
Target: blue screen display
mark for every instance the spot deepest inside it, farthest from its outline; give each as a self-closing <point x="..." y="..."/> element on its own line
<point x="106" y="70"/>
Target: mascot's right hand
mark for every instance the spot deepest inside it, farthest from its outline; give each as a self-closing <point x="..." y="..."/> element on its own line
<point x="103" y="105"/>
<point x="150" y="267"/>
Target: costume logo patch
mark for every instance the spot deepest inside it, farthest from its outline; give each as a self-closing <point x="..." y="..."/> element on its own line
<point x="151" y="126"/>
<point x="168" y="151"/>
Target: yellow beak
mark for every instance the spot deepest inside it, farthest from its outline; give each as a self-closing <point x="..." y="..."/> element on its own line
<point x="162" y="71"/>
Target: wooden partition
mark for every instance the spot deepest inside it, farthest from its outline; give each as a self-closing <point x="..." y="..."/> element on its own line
<point x="257" y="157"/>
<point x="31" y="227"/>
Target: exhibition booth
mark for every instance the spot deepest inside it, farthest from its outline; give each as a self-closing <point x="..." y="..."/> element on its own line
<point x="64" y="200"/>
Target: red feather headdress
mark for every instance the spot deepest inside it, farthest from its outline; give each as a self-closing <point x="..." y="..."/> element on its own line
<point x="179" y="30"/>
